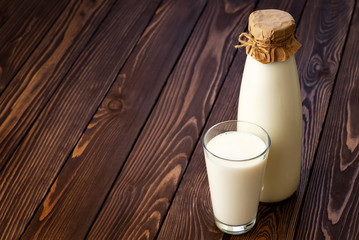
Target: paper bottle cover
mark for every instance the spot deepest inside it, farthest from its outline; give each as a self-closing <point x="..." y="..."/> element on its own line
<point x="271" y="36"/>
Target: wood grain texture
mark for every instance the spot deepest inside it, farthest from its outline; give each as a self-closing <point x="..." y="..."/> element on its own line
<point x="318" y="64"/>
<point x="145" y="187"/>
<point x="191" y="208"/>
<point x="22" y="32"/>
<point x="29" y="91"/>
<point x="331" y="207"/>
<point x="34" y="165"/>
<point x="88" y="175"/>
<point x="8" y="8"/>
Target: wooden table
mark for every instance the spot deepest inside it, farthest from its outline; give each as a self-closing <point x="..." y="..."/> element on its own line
<point x="103" y="105"/>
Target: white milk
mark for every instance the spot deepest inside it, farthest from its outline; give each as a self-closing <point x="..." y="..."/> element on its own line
<point x="270" y="97"/>
<point x="235" y="185"/>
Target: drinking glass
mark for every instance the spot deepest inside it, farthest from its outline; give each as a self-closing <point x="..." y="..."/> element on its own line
<point x="236" y="155"/>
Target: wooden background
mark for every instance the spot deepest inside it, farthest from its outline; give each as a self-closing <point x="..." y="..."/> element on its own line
<point x="103" y="105"/>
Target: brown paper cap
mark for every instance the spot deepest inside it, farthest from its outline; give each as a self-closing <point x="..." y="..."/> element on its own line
<point x="271" y="25"/>
<point x="271" y="37"/>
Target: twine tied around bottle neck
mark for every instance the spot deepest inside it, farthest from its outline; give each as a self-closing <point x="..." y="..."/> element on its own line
<point x="251" y="42"/>
<point x="268" y="52"/>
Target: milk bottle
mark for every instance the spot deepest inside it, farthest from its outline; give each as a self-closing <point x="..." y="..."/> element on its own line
<point x="270" y="97"/>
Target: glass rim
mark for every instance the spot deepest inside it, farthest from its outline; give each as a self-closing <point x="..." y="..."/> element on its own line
<point x="237" y="160"/>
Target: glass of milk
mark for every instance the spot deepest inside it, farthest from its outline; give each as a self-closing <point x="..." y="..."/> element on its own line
<point x="236" y="155"/>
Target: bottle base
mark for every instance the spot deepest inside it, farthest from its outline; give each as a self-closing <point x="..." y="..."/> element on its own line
<point x="276" y="200"/>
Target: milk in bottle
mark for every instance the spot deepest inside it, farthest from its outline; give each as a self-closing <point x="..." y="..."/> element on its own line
<point x="270" y="97"/>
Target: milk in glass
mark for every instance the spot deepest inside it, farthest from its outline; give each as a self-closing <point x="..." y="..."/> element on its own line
<point x="235" y="182"/>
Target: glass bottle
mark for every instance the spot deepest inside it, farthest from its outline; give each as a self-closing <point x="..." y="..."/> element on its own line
<point x="270" y="97"/>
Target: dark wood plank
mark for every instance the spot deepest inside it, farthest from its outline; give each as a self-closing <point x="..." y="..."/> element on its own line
<point x="191" y="216"/>
<point x="331" y="206"/>
<point x="102" y="149"/>
<point x="34" y="165"/>
<point x="29" y="91"/>
<point x="318" y="62"/>
<point x="7" y="8"/>
<point x="143" y="191"/>
<point x="295" y="8"/>
<point x="22" y="32"/>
